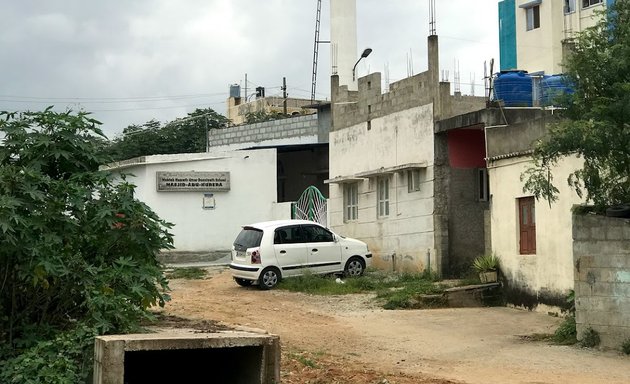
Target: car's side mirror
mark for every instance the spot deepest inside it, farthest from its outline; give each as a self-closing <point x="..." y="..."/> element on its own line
<point x="335" y="238"/>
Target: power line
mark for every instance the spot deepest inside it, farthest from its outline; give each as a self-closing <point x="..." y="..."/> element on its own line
<point x="113" y="99"/>
<point x="157" y="108"/>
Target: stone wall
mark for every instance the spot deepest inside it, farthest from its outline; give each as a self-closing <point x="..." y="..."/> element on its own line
<point x="294" y="127"/>
<point x="601" y="255"/>
<point x="465" y="221"/>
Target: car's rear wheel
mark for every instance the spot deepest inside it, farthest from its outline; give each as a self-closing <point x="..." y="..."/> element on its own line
<point x="354" y="267"/>
<point x="269" y="278"/>
<point x="243" y="282"/>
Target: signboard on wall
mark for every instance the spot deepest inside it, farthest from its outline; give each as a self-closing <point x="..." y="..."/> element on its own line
<point x="192" y="181"/>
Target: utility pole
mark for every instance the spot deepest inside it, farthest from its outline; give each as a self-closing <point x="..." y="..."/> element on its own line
<point x="246" y="87"/>
<point x="284" y="95"/>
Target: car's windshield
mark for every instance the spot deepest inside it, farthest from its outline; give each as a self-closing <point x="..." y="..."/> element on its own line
<point x="248" y="238"/>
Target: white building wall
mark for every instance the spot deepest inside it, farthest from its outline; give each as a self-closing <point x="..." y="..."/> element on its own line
<point x="343" y="38"/>
<point x="299" y="140"/>
<point x="251" y="198"/>
<point x="551" y="268"/>
<point x="541" y="49"/>
<point x="398" y="138"/>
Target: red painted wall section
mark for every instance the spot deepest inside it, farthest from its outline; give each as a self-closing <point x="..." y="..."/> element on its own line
<point x="466" y="148"/>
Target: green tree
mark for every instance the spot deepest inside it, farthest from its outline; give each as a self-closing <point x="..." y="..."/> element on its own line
<point x="185" y="135"/>
<point x="77" y="251"/>
<point x="596" y="118"/>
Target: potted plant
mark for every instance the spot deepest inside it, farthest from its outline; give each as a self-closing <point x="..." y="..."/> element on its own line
<point x="486" y="266"/>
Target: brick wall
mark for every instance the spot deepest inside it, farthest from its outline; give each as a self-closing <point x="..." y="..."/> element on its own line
<point x="299" y="126"/>
<point x="601" y="256"/>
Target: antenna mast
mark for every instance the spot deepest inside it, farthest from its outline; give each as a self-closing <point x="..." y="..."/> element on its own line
<point x="316" y="49"/>
<point x="457" y="81"/>
<point x="432" y="23"/>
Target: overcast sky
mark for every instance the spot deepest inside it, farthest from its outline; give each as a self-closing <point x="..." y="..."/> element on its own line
<point x="131" y="61"/>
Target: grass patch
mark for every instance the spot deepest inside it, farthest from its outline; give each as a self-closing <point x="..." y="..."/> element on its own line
<point x="591" y="338"/>
<point x="537" y="337"/>
<point x="566" y="334"/>
<point x="190" y="273"/>
<point x="394" y="290"/>
<point x="303" y="360"/>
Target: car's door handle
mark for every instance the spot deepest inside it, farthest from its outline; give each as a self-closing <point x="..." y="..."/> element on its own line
<point x="283" y="251"/>
<point x="314" y="249"/>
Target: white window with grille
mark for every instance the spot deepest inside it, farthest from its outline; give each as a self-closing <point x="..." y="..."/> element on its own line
<point x="413" y="180"/>
<point x="382" y="192"/>
<point x="351" y="201"/>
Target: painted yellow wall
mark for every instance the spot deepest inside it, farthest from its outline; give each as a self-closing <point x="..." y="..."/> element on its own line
<point x="551" y="268"/>
<point x="540" y="49"/>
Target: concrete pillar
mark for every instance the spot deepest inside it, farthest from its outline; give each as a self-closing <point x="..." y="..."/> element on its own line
<point x="334" y="99"/>
<point x="434" y="74"/>
<point x="343" y="39"/>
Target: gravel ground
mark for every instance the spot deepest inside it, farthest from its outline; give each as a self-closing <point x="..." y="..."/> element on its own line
<point x="349" y="339"/>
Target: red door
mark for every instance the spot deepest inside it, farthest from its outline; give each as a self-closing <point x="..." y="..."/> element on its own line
<point x="527" y="225"/>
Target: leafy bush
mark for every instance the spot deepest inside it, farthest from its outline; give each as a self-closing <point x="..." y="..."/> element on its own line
<point x="75" y="246"/>
<point x="486" y="263"/>
<point x="65" y="359"/>
<point x="590" y="338"/>
<point x="625" y="347"/>
<point x="566" y="334"/>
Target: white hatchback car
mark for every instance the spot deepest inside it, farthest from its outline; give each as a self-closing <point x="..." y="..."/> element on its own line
<point x="266" y="252"/>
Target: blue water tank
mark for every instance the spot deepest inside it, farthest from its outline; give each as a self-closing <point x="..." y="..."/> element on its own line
<point x="554" y="86"/>
<point x="514" y="88"/>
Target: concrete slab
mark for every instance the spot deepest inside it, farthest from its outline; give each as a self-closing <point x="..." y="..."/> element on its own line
<point x="187" y="356"/>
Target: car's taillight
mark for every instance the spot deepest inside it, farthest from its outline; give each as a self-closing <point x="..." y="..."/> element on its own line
<point x="255" y="256"/>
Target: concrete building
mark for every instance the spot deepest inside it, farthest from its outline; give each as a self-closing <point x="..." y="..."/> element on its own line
<point x="301" y="145"/>
<point x="201" y="192"/>
<point x="251" y="173"/>
<point x="390" y="176"/>
<point x="535" y="35"/>
<point x="532" y="238"/>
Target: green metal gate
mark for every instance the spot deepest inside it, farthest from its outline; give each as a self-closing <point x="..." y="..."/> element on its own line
<point x="310" y="206"/>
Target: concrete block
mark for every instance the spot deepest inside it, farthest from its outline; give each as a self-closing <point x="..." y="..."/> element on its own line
<point x="620" y="290"/>
<point x="581" y="232"/>
<point x="622" y="276"/>
<point x="618" y="261"/>
<point x="614" y="232"/>
<point x="582" y="304"/>
<point x="598" y="318"/>
<point x="602" y="289"/>
<point x="583" y="263"/>
<point x="224" y="357"/>
<point x="607" y="275"/>
<point x="598" y="233"/>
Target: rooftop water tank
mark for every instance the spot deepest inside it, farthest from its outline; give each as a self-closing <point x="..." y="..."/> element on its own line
<point x="554" y="86"/>
<point x="514" y="88"/>
<point x="235" y="91"/>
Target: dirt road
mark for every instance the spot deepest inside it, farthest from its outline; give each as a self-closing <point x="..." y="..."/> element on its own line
<point x="353" y="340"/>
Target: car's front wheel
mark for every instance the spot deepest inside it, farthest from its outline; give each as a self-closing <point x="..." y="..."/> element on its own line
<point x="354" y="267"/>
<point x="243" y="282"/>
<point x="269" y="278"/>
